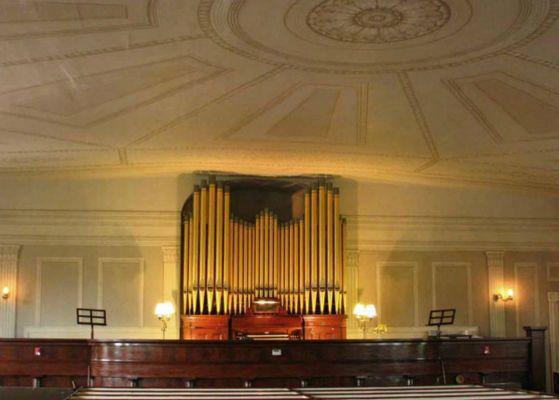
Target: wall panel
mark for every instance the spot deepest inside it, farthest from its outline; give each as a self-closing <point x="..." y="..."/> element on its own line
<point x="527" y="304"/>
<point x="397" y="293"/>
<point x="59" y="290"/>
<point x="553" y="272"/>
<point x="452" y="288"/>
<point x="121" y="290"/>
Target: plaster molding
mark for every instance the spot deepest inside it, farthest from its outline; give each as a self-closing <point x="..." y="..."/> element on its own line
<point x="91" y="228"/>
<point x="170" y="254"/>
<point x="148" y="19"/>
<point x="232" y="35"/>
<point x="378" y="232"/>
<point x="365" y="232"/>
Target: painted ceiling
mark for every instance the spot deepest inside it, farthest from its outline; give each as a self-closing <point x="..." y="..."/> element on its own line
<point x="462" y="91"/>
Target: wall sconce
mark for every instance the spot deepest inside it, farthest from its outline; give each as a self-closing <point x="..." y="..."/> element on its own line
<point x="504" y="296"/>
<point x="364" y="315"/>
<point x="5" y="292"/>
<point x="164" y="311"/>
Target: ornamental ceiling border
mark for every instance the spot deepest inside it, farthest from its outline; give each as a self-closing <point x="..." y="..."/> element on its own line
<point x="151" y="22"/>
<point x="213" y="71"/>
<point x="527" y="8"/>
<point x="454" y="87"/>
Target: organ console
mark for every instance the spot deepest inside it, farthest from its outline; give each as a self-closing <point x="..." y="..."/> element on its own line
<point x="266" y="319"/>
<point x="229" y="261"/>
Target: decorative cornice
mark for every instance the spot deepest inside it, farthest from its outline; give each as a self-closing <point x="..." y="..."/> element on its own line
<point x="91" y="228"/>
<point x="455" y="223"/>
<point x="375" y="232"/>
<point x="365" y="232"/>
<point x="94" y="217"/>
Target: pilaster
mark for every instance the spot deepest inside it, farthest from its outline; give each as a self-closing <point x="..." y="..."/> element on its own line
<point x="8" y="278"/>
<point x="170" y="287"/>
<point x="495" y="279"/>
<point x="351" y="276"/>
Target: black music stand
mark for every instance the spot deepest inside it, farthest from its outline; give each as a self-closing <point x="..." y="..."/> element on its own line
<point x="91" y="317"/>
<point x="441" y="317"/>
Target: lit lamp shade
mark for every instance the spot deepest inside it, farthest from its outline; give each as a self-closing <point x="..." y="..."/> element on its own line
<point x="365" y="310"/>
<point x="164" y="310"/>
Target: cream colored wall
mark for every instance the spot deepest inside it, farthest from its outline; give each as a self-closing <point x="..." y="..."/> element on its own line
<point x="54" y="280"/>
<point x="152" y="193"/>
<point x="405" y="285"/>
<point x="420" y="247"/>
<point x="409" y="248"/>
<point x="532" y="275"/>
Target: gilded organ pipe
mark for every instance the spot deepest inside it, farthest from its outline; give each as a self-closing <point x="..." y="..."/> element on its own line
<point x="302" y="246"/>
<point x="330" y="247"/>
<point x="219" y="249"/>
<point x="307" y="238"/>
<point x="211" y="244"/>
<point x="314" y="248"/>
<point x="196" y="251"/>
<point x="228" y="262"/>
<point x="186" y="261"/>
<point x="337" y="253"/>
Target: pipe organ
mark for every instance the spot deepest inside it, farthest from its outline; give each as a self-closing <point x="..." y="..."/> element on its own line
<point x="228" y="263"/>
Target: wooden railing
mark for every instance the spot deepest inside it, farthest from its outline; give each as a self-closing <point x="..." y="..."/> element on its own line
<point x="515" y="362"/>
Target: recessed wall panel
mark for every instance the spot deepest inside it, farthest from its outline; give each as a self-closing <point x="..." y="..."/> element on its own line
<point x="59" y="290"/>
<point x="397" y="291"/>
<point x="121" y="290"/>
<point x="452" y="289"/>
<point x="526" y="296"/>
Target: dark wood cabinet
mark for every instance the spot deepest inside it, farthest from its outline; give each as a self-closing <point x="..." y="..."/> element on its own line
<point x="324" y="327"/>
<point x="205" y="327"/>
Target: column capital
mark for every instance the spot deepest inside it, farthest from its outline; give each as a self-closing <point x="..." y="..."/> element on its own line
<point x="495" y="258"/>
<point x="9" y="250"/>
<point x="170" y="254"/>
<point x="352" y="258"/>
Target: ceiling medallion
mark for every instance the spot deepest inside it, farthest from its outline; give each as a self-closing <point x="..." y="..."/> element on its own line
<point x="377" y="21"/>
<point x="374" y="36"/>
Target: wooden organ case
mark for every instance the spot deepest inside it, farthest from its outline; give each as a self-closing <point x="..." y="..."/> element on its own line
<point x="263" y="259"/>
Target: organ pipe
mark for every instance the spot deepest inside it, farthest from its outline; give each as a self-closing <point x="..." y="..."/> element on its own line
<point x="228" y="262"/>
<point x="314" y="248"/>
